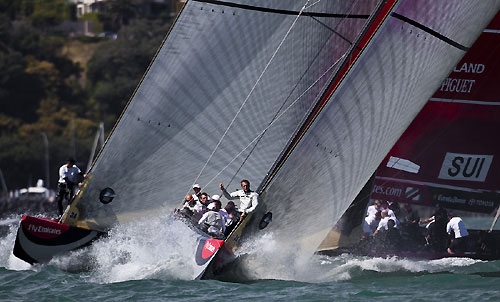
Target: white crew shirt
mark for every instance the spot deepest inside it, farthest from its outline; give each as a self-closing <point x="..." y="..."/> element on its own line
<point x="225" y="215"/>
<point x="215" y="221"/>
<point x="383" y="223"/>
<point x="390" y="213"/>
<point x="248" y="201"/>
<point x="371" y="210"/>
<point x="372" y="222"/>
<point x="197" y="209"/>
<point x="457" y="226"/>
<point x="70" y="173"/>
<point x="366" y="228"/>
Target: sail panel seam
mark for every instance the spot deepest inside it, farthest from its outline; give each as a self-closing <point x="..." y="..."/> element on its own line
<point x="281" y="11"/>
<point x="430" y="31"/>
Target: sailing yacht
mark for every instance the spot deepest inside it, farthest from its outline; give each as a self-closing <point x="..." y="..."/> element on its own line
<point x="444" y="158"/>
<point x="304" y="98"/>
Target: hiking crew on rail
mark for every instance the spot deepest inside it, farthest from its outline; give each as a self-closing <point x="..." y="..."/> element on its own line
<point x="203" y="210"/>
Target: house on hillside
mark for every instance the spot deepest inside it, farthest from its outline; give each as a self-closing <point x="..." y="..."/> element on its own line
<point x="146" y="7"/>
<point x="92" y="27"/>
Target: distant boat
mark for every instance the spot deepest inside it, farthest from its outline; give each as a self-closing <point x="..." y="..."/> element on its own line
<point x="303" y="99"/>
<point x="446" y="157"/>
<point x="38" y="191"/>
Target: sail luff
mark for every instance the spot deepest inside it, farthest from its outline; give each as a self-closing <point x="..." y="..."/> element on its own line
<point x="70" y="219"/>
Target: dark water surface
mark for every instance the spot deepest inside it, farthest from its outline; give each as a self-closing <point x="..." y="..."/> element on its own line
<point x="125" y="268"/>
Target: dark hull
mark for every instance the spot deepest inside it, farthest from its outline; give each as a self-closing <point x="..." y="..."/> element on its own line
<point x="39" y="240"/>
<point x="481" y="245"/>
<point x="410" y="255"/>
<point x="226" y="254"/>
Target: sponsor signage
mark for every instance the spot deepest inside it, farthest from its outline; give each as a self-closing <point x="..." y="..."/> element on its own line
<point x="207" y="249"/>
<point x="470" y="167"/>
<point x="43" y="228"/>
<point x="395" y="191"/>
<point x="431" y="195"/>
<point x="482" y="202"/>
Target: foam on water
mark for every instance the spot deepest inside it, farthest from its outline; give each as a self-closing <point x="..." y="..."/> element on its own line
<point x="7" y="259"/>
<point x="164" y="248"/>
<point x="267" y="258"/>
<point x="159" y="248"/>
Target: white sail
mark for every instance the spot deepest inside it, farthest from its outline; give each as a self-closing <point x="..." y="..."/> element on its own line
<point x="405" y="61"/>
<point x="222" y="76"/>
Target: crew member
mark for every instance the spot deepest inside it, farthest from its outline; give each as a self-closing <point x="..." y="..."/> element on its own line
<point x="212" y="221"/>
<point x="192" y="207"/>
<point x="457" y="226"/>
<point x="248" y="198"/>
<point x="197" y="191"/>
<point x="383" y="224"/>
<point x="68" y="177"/>
<point x="374" y="208"/>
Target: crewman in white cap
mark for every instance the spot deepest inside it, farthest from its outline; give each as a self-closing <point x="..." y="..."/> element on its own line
<point x="197" y="192"/>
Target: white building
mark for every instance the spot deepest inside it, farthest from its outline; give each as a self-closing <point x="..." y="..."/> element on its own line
<point x="88" y="6"/>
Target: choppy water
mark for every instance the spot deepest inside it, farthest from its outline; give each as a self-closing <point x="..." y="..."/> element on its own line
<point x="140" y="264"/>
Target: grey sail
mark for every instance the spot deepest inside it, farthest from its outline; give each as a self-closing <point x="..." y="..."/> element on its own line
<point x="224" y="95"/>
<point x="405" y="61"/>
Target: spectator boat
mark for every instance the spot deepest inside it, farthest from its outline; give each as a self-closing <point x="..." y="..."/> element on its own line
<point x="446" y="157"/>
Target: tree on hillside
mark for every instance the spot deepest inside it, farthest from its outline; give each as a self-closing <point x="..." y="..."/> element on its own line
<point x="118" y="65"/>
<point x="38" y="93"/>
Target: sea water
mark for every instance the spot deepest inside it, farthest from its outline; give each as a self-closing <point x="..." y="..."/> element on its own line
<point x="153" y="262"/>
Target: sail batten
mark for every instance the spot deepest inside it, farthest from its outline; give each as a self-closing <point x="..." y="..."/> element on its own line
<point x="283" y="11"/>
<point x="430" y="31"/>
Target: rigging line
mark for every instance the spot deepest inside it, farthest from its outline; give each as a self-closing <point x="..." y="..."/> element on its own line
<point x="279" y="116"/>
<point x="313" y="4"/>
<point x="252" y="90"/>
<point x="262" y="134"/>
<point x="275" y="116"/>
<point x="332" y="30"/>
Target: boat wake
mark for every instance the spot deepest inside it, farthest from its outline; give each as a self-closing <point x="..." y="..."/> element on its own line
<point x="256" y="256"/>
<point x="163" y="248"/>
<point x="154" y="248"/>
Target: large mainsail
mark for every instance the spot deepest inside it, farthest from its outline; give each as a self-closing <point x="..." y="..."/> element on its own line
<point x="225" y="72"/>
<point x="411" y="49"/>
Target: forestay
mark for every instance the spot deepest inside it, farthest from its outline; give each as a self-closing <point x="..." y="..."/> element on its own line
<point x="218" y="56"/>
